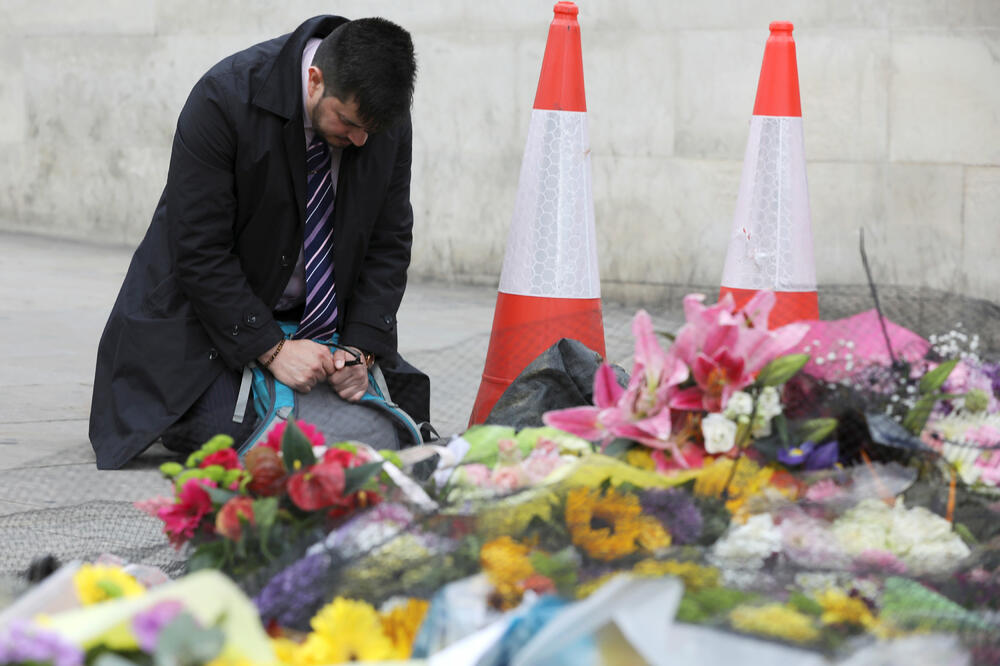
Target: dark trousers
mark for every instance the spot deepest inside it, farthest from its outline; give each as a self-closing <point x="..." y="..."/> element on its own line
<point x="211" y="415"/>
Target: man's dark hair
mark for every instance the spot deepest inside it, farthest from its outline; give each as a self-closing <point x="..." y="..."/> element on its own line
<point x="370" y="60"/>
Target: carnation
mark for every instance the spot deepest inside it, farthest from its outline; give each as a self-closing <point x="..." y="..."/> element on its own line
<point x="747" y="546"/>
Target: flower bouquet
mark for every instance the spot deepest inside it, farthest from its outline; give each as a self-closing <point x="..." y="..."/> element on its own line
<point x="291" y="490"/>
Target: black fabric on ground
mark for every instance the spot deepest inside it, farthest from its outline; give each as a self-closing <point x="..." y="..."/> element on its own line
<point x="561" y="377"/>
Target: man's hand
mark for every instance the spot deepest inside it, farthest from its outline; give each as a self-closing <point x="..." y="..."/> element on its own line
<point x="349" y="381"/>
<point x="300" y="364"/>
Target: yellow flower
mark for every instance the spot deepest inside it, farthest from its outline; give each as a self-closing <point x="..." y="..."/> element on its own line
<point x="840" y="608"/>
<point x="652" y="535"/>
<point x="639" y="456"/>
<point x="605" y="526"/>
<point x="505" y="561"/>
<point x="694" y="575"/>
<point x="95" y="583"/>
<point x="401" y="624"/>
<point x="775" y="620"/>
<point x="345" y="630"/>
<point x="718" y="477"/>
<point x="230" y="661"/>
<point x="285" y="650"/>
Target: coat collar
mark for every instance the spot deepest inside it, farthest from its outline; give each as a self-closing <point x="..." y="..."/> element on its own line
<point x="281" y="90"/>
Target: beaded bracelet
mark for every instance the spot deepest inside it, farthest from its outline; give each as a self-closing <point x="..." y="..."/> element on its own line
<point x="274" y="355"/>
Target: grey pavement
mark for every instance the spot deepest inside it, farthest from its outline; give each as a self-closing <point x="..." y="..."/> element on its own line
<point x="55" y="296"/>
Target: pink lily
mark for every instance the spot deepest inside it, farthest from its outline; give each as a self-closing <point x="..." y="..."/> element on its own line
<point x="640" y="412"/>
<point x="725" y="350"/>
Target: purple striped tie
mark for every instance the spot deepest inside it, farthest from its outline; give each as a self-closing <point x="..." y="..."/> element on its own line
<point x="319" y="319"/>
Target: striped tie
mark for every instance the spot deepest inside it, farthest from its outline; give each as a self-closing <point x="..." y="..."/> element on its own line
<point x="319" y="319"/>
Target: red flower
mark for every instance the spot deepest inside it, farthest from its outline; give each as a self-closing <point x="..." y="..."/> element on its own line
<point x="228" y="523"/>
<point x="181" y="519"/>
<point x="274" y="436"/>
<point x="343" y="457"/>
<point x="227" y="458"/>
<point x="320" y="486"/>
<point x="359" y="500"/>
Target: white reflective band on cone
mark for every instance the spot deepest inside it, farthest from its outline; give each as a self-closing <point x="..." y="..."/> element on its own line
<point x="771" y="243"/>
<point x="551" y="248"/>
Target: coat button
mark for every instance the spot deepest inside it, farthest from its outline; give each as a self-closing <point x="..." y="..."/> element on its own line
<point x="284" y="261"/>
<point x="387" y="319"/>
<point x="213" y="354"/>
<point x="251" y="318"/>
<point x="236" y="329"/>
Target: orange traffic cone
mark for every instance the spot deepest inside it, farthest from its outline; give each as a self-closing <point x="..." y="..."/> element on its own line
<point x="549" y="285"/>
<point x="771" y="244"/>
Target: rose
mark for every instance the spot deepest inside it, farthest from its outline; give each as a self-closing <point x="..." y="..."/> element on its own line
<point x="719" y="433"/>
<point x="228" y="521"/>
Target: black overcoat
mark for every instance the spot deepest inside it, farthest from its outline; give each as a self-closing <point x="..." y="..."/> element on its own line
<point x="224" y="240"/>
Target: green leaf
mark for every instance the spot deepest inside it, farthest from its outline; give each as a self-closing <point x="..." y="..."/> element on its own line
<point x="482" y="441"/>
<point x="295" y="446"/>
<point x="219" y="495"/>
<point x="208" y="556"/>
<point x="916" y="418"/>
<point x="356" y="477"/>
<point x="618" y="447"/>
<point x="966" y="535"/>
<point x="781" y="369"/>
<point x="780" y="424"/>
<point x="265" y="511"/>
<point x="805" y="604"/>
<point x="935" y="379"/>
<point x="816" y="430"/>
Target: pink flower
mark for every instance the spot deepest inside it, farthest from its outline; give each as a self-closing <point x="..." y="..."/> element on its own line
<point x="151" y="507"/>
<point x="878" y="561"/>
<point x="691" y="456"/>
<point x="274" y="435"/>
<point x="476" y="474"/>
<point x="989" y="468"/>
<point x="226" y="458"/>
<point x="823" y="490"/>
<point x="725" y="349"/>
<point x="181" y="519"/>
<point x="507" y="479"/>
<point x="640" y="412"/>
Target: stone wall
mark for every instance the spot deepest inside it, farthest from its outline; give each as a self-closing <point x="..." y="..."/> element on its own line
<point x="900" y="98"/>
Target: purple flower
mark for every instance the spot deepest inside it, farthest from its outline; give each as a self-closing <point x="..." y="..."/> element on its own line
<point x="676" y="511"/>
<point x="21" y="641"/>
<point x="148" y="624"/>
<point x="823" y="456"/>
<point x="292" y="595"/>
<point x="796" y="455"/>
<point x="811" y="456"/>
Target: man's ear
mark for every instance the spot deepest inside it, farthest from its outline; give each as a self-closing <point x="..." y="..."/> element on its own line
<point x="315" y="80"/>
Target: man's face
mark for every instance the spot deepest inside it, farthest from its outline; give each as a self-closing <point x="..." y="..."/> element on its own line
<point x="335" y="120"/>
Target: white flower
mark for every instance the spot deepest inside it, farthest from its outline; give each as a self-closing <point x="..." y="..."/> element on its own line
<point x="936" y="556"/>
<point x="740" y="404"/>
<point x="769" y="402"/>
<point x="761" y="426"/>
<point x="719" y="433"/>
<point x="747" y="546"/>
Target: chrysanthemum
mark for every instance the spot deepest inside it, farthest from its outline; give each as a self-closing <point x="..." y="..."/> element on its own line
<point x="775" y="620"/>
<point x="97" y="583"/>
<point x="401" y="624"/>
<point x="344" y="631"/>
<point x="605" y="526"/>
<point x="694" y="575"/>
<point x="839" y="608"/>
